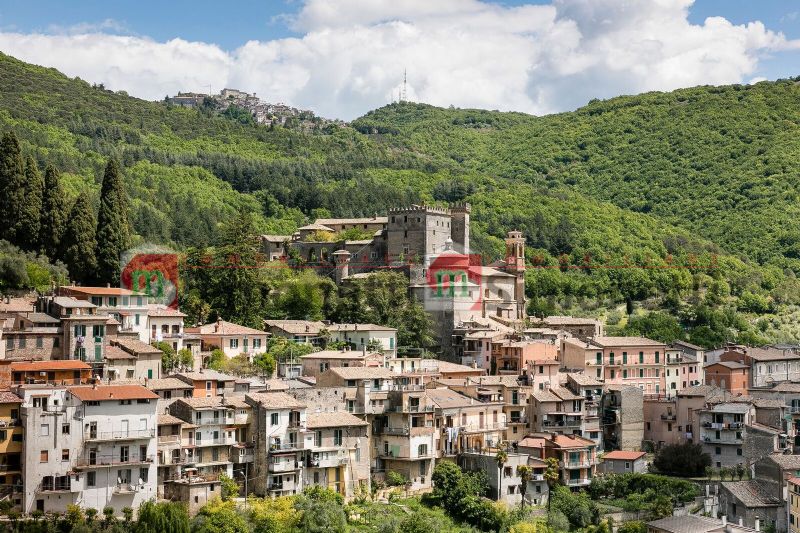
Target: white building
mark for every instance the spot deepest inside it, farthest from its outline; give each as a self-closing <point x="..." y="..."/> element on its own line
<point x="89" y="445"/>
<point x="360" y="336"/>
<point x="231" y="338"/>
<point x="127" y="307"/>
<point x="165" y="324"/>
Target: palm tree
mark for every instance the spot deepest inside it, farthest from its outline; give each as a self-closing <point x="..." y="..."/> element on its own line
<point x="551" y="475"/>
<point x="501" y="459"/>
<point x="525" y="473"/>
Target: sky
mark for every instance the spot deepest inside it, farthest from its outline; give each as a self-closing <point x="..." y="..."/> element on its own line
<point x="342" y="58"/>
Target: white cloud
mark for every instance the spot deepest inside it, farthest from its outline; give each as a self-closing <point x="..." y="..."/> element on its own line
<point x="351" y="56"/>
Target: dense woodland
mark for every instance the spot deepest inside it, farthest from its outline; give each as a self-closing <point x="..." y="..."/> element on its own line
<point x="667" y="214"/>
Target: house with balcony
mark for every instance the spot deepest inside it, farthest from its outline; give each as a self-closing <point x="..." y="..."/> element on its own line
<point x="404" y="436"/>
<point x="591" y="390"/>
<point x="722" y="429"/>
<point x="48" y="372"/>
<point x="83" y="327"/>
<point x="506" y="485"/>
<point x="766" y="366"/>
<point x="337" y="452"/>
<point x="465" y="423"/>
<point x="788" y="394"/>
<point x="241" y="452"/>
<point x="231" y="338"/>
<point x="172" y="456"/>
<point x="473" y="346"/>
<point x="556" y="409"/>
<point x="280" y="430"/>
<point x="165" y="324"/>
<point x="128" y="308"/>
<point x="11" y="443"/>
<point x="683" y="370"/>
<point x="577" y="457"/>
<point x="212" y="436"/>
<point x="207" y="383"/>
<point x="379" y="378"/>
<point x="370" y="337"/>
<point x="315" y="363"/>
<point x="622" y="417"/>
<point x="512" y="356"/>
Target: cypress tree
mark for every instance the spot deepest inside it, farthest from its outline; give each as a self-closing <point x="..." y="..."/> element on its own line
<point x="28" y="237"/>
<point x="54" y="214"/>
<point x="112" y="225"/>
<point x="12" y="188"/>
<point x="78" y="242"/>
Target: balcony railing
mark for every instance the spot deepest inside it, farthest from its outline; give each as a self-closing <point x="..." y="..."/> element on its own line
<point x="714" y="440"/>
<point x="165" y="440"/>
<point x="56" y="487"/>
<point x="217" y="421"/>
<point x="125" y="488"/>
<point x="112" y="461"/>
<point x="579" y="481"/>
<point x="213" y="442"/>
<point x="129" y="434"/>
<point x="286" y="446"/>
<point x="561" y="423"/>
<point x="395" y="431"/>
<point x="668" y="416"/>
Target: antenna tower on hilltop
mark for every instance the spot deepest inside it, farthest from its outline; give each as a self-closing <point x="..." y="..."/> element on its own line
<point x="403" y="93"/>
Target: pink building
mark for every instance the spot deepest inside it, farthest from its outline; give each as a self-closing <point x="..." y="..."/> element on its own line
<point x="635" y="361"/>
<point x="513" y="356"/>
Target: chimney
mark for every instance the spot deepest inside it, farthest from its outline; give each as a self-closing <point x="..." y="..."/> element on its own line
<point x="758" y="524"/>
<point x="741" y="521"/>
<point x="218" y="325"/>
<point x="108" y="285"/>
<point x="364" y="350"/>
<point x="724" y="520"/>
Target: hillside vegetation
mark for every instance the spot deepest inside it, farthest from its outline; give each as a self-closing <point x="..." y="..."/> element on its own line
<point x="699" y="186"/>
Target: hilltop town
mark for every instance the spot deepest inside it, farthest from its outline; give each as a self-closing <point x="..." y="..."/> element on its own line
<point x="110" y="400"/>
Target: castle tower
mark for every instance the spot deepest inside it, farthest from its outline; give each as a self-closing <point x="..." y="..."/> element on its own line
<point x="515" y="264"/>
<point x="342" y="260"/>
<point x="459" y="227"/>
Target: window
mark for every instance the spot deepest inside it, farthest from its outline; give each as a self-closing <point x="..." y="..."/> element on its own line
<point x="80" y="331"/>
<point x="43" y="456"/>
<point x="144" y="474"/>
<point x="91" y="478"/>
<point x="337" y="437"/>
<point x="256" y="344"/>
<point x="641" y="372"/>
<point x="738" y="451"/>
<point x="234" y="343"/>
<point x="274" y="419"/>
<point x="136" y="319"/>
<point x="641" y="357"/>
<point x="112" y="301"/>
<point x="22" y="342"/>
<point x="125" y="402"/>
<point x="44" y="430"/>
<point x="9" y="343"/>
<point x="717" y="451"/>
<point x="656" y="357"/>
<point x="422" y="450"/>
<point x="65" y="454"/>
<point x="624" y="373"/>
<point x="318" y="438"/>
<point x="599" y="357"/>
<point x="39" y="342"/>
<point x="125" y="301"/>
<point x="624" y="358"/>
<point x="3" y="435"/>
<point x="98" y="331"/>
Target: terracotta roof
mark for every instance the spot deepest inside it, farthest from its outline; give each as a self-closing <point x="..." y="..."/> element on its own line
<point x="275" y="400"/>
<point x="787" y="462"/>
<point x="135" y="346"/>
<point x="362" y="372"/>
<point x="297" y="327"/>
<point x="98" y="291"/>
<point x="571" y="441"/>
<point x="69" y="301"/>
<point x="583" y="379"/>
<point x="359" y="327"/>
<point x="42" y="366"/>
<point x="334" y="419"/>
<point x="623" y="455"/>
<point x="115" y="352"/>
<point x="205" y="403"/>
<point x="625" y="341"/>
<point x="687" y="524"/>
<point x="445" y="398"/>
<point x="276" y="238"/>
<point x="770" y="354"/>
<point x="733" y="365"/>
<point x="223" y="327"/>
<point x="164" y="311"/>
<point x="168" y="420"/>
<point x="17" y="305"/>
<point x="335" y="221"/>
<point x="560" y="320"/>
<point x="101" y="393"/>
<point x="768" y="403"/>
<point x="206" y="375"/>
<point x="167" y="384"/>
<point x="9" y="397"/>
<point x="532" y="442"/>
<point x="446" y="367"/>
<point x="752" y="493"/>
<point x="339" y="354"/>
<point x="42" y="318"/>
<point x="786" y="387"/>
<point x="315" y="227"/>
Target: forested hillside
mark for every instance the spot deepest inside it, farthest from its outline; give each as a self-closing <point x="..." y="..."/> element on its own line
<point x="705" y="177"/>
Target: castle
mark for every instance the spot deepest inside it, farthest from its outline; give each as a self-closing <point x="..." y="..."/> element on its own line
<point x="431" y="246"/>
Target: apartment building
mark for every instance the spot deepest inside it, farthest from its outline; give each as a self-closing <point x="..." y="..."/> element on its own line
<point x="722" y="428"/>
<point x="634" y="361"/>
<point x="466" y="423"/>
<point x="207" y="383"/>
<point x="405" y="437"/>
<point x="577" y="457"/>
<point x="512" y="357"/>
<point x="90" y="444"/>
<point x="767" y="366"/>
<point x="47" y="372"/>
<point x="31" y="336"/>
<point x="474" y="347"/>
<point x="316" y="363"/>
<point x="11" y="443"/>
<point x="505" y="485"/>
<point x="731" y="376"/>
<point x="280" y="432"/>
<point x="556" y="409"/>
<point x="305" y="331"/>
<point x="622" y="417"/>
<point x="231" y="338"/>
<point x="83" y="327"/>
<point x="682" y="371"/>
<point x="542" y="373"/>
<point x="210" y="435"/>
<point x="128" y="308"/>
<point x="165" y="324"/>
<point x="365" y="336"/>
<point x="173" y="451"/>
<point x="338" y="454"/>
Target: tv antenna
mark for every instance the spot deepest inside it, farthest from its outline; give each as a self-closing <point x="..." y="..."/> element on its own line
<point x="403" y="92"/>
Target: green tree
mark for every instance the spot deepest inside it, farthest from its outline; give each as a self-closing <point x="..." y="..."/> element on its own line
<point x="525" y="473"/>
<point x="551" y="475"/>
<point x="265" y="363"/>
<point x="168" y="356"/>
<point x="112" y="225"/>
<point x="230" y="488"/>
<point x="217" y="360"/>
<point x="655" y="325"/>
<point x="162" y="517"/>
<point x="682" y="460"/>
<point x="321" y="511"/>
<point x="500" y="458"/>
<point x="31" y="211"/>
<point x="79" y="241"/>
<point x="220" y="517"/>
<point x="12" y="189"/>
<point x="634" y="526"/>
<point x="185" y="358"/>
<point x="53" y="218"/>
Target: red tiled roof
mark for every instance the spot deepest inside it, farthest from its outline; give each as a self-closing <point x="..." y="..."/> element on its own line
<point x="623" y="455"/>
<point x="38" y="366"/>
<point x="99" y="291"/>
<point x="7" y="396"/>
<point x="101" y="393"/>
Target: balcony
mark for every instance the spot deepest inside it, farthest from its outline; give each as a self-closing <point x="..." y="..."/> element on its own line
<point x="169" y="440"/>
<point x="125" y="488"/>
<point x="101" y="462"/>
<point x="575" y="464"/>
<point x="130" y="434"/>
<point x="561" y="423"/>
<point x="577" y="482"/>
<point x="286" y="446"/>
<point x="488" y="426"/>
<point x="219" y="441"/>
<point x="49" y="488"/>
<point x="395" y="431"/>
<point x="668" y="416"/>
<point x="284" y="466"/>
<point x="275" y="487"/>
<point x="537" y="477"/>
<point x="216" y="421"/>
<point x="297" y="424"/>
<point x="714" y="440"/>
<point x="242" y="455"/>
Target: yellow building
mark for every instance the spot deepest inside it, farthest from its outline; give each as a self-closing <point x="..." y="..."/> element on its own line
<point x="794" y="504"/>
<point x="10" y="447"/>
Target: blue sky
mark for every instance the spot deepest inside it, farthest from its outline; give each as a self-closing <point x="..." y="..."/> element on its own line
<point x="335" y="31"/>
